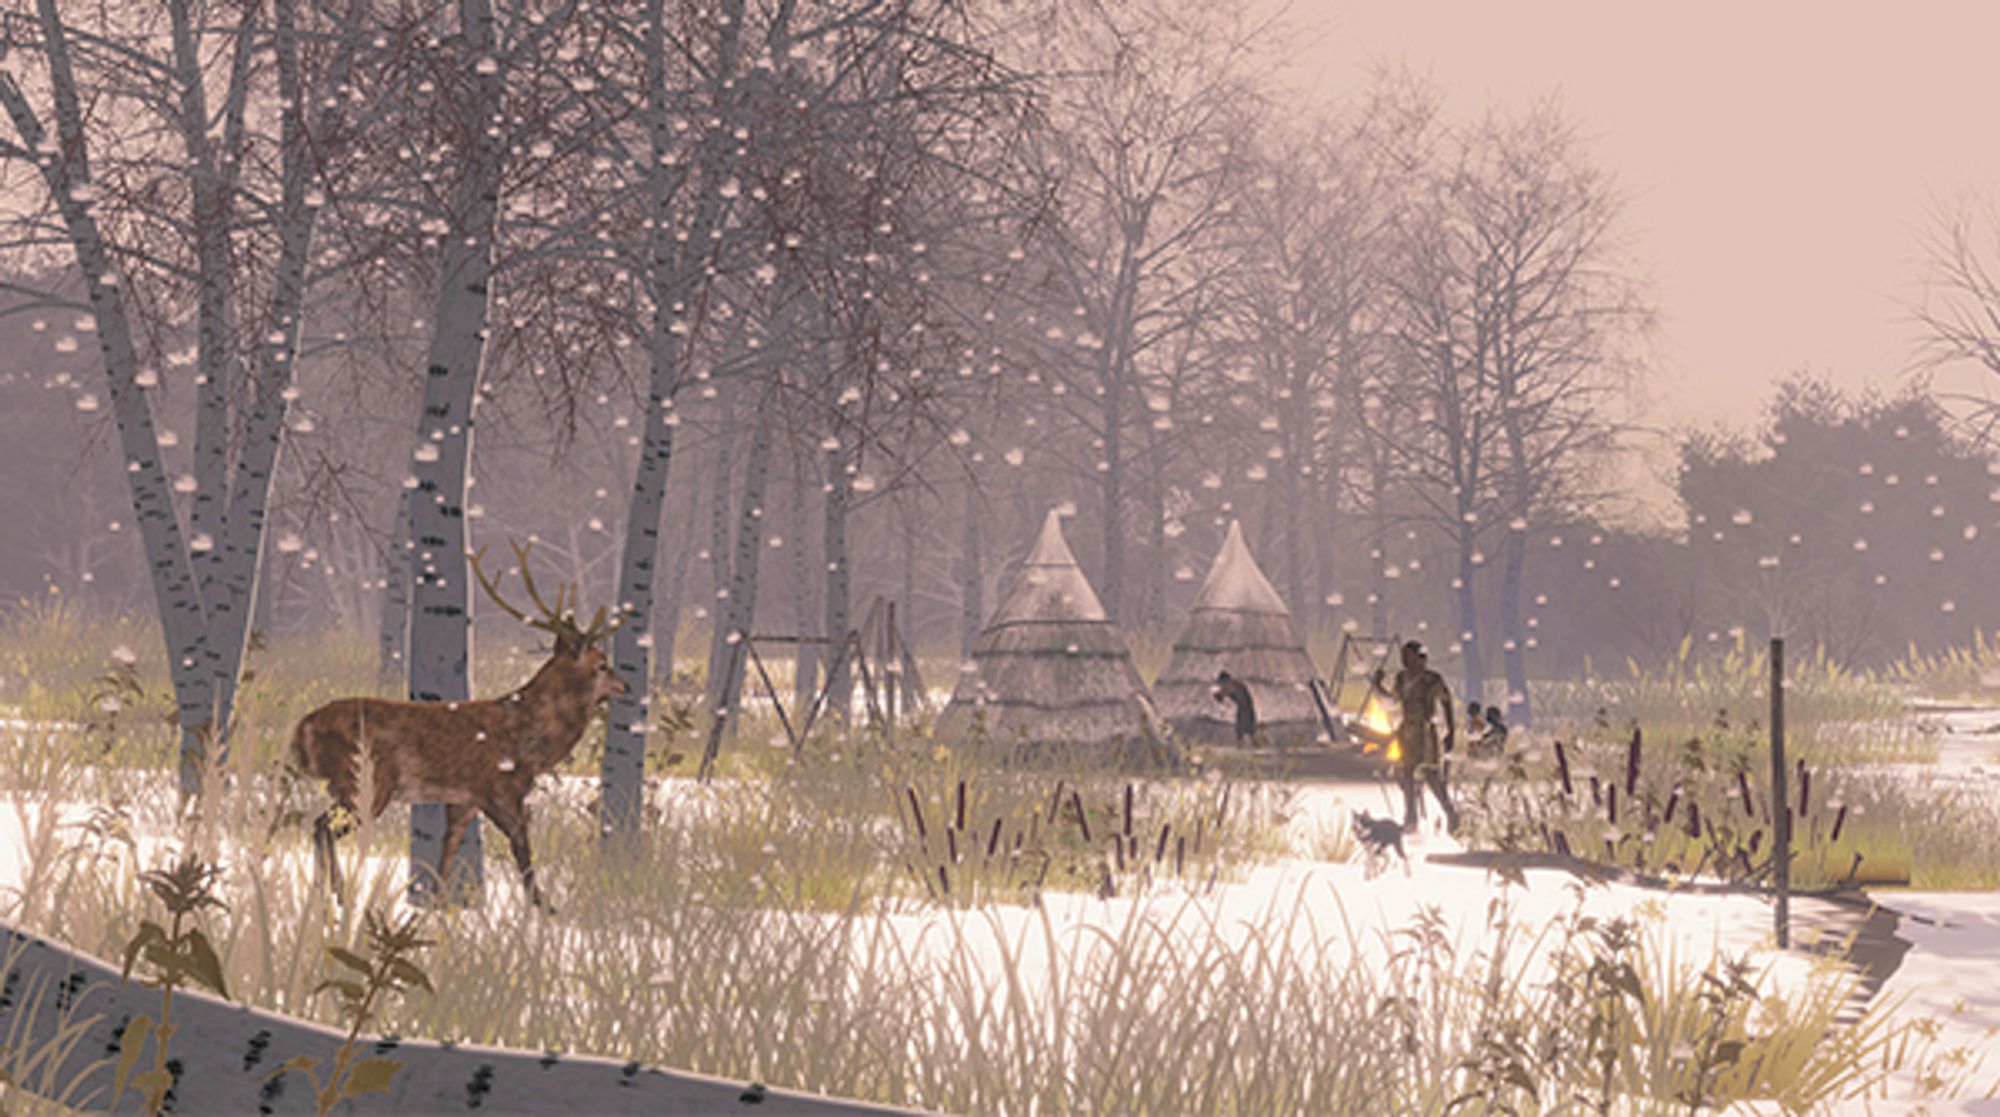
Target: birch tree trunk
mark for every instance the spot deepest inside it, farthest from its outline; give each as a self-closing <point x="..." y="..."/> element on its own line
<point x="1114" y="498"/>
<point x="1513" y="651"/>
<point x="242" y="545"/>
<point x="622" y="774"/>
<point x="972" y="584"/>
<point x="1156" y="535"/>
<point x="906" y="609"/>
<point x="677" y="274"/>
<point x="1468" y="620"/>
<point x="726" y="697"/>
<point x="392" y="675"/>
<point x="805" y="671"/>
<point x="721" y="506"/>
<point x="66" y="171"/>
<point x="1378" y="550"/>
<point x="215" y="327"/>
<point x="833" y="546"/>
<point x="440" y="619"/>
<point x="1296" y="522"/>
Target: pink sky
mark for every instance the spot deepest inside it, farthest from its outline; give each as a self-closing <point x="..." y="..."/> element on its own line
<point x="1780" y="158"/>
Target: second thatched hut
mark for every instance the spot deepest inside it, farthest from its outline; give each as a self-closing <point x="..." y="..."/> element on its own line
<point x="1240" y="625"/>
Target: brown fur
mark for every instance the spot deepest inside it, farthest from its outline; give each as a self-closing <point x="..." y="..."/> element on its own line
<point x="471" y="756"/>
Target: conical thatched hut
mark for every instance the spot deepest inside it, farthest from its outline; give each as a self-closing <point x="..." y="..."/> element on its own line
<point x="1050" y="667"/>
<point x="1239" y="625"/>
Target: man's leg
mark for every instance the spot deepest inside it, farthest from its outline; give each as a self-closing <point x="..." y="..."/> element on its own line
<point x="1434" y="775"/>
<point x="1406" y="774"/>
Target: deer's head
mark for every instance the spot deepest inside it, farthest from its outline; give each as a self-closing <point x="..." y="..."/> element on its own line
<point x="604" y="682"/>
<point x="578" y="647"/>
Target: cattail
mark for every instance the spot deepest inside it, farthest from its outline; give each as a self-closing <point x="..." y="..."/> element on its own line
<point x="1743" y="785"/>
<point x="1128" y="810"/>
<point x="993" y="842"/>
<point x="1082" y="823"/>
<point x="961" y="804"/>
<point x="917" y="810"/>
<point x="951" y="845"/>
<point x="1839" y="820"/>
<point x="1805" y="786"/>
<point x="1562" y="844"/>
<point x="944" y="879"/>
<point x="1611" y="804"/>
<point x="1632" y="763"/>
<point x="1180" y="853"/>
<point x="1694" y="819"/>
<point x="1562" y="769"/>
<point x="1118" y="851"/>
<point x="1161" y="851"/>
<point x="1596" y="793"/>
<point x="1673" y="801"/>
<point x="1756" y="839"/>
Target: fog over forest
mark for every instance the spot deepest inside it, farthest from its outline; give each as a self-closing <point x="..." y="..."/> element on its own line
<point x="767" y="311"/>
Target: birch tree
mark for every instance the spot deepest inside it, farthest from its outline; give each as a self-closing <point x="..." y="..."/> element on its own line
<point x="746" y="115"/>
<point x="95" y="87"/>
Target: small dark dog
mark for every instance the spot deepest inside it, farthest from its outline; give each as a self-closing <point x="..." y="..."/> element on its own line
<point x="1377" y="837"/>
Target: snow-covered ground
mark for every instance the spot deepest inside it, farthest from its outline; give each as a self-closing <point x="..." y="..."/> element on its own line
<point x="1950" y="973"/>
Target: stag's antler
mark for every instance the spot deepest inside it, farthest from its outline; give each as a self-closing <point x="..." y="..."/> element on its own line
<point x="559" y="620"/>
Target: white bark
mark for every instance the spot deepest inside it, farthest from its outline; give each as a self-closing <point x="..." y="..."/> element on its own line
<point x="66" y="171"/>
<point x="805" y="670"/>
<point x="678" y="271"/>
<point x="440" y="652"/>
<point x="833" y="546"/>
<point x="735" y="621"/>
<point x="210" y="184"/>
<point x="239" y="556"/>
<point x="623" y="771"/>
<point x="392" y="674"/>
<point x="721" y="505"/>
<point x="74" y="1009"/>
<point x="972" y="602"/>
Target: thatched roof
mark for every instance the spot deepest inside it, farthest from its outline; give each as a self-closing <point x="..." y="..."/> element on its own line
<point x="1240" y="625"/>
<point x="1050" y="666"/>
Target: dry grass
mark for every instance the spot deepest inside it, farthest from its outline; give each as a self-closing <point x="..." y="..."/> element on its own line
<point x="776" y="926"/>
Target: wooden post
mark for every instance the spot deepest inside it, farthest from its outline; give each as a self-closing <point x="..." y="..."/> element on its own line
<point x="1781" y="811"/>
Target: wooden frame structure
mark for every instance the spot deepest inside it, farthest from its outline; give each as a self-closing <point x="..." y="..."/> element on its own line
<point x="882" y="662"/>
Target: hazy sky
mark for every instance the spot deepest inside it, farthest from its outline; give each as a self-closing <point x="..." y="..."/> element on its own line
<point x="1780" y="158"/>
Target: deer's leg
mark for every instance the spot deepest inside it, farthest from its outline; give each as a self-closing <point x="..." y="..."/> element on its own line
<point x="457" y="816"/>
<point x="511" y="819"/>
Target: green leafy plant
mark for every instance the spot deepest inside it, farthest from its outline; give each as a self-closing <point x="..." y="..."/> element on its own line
<point x="389" y="969"/>
<point x="178" y="954"/>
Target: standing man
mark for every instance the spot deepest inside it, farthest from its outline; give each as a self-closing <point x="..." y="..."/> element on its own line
<point x="1230" y="688"/>
<point x="1419" y="694"/>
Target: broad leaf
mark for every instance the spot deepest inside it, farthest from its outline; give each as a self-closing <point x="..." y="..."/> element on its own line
<point x="203" y="965"/>
<point x="369" y="1076"/>
<point x="129" y="1045"/>
<point x="350" y="959"/>
<point x="149" y="932"/>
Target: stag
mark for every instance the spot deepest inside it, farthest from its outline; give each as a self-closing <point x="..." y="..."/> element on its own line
<point x="480" y="756"/>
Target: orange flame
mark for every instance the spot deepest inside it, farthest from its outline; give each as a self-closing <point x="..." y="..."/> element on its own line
<point x="1376" y="720"/>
